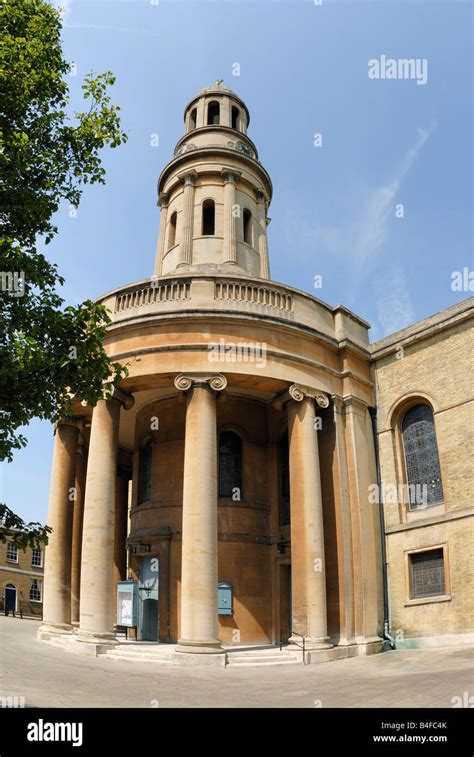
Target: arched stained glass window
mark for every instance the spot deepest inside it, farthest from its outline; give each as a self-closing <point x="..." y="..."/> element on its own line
<point x="144" y="472"/>
<point x="421" y="457"/>
<point x="230" y="464"/>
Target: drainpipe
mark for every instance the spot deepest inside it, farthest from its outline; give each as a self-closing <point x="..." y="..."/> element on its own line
<point x="386" y="611"/>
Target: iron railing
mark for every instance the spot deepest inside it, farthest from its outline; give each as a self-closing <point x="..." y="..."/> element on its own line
<point x="298" y="644"/>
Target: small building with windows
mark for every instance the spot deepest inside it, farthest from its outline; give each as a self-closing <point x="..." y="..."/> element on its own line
<point x="228" y="481"/>
<point x="425" y="420"/>
<point x="21" y="580"/>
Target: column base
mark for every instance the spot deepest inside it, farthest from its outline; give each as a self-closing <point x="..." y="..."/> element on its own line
<point x="203" y="653"/>
<point x="310" y="643"/>
<point x="204" y="646"/>
<point x="48" y="631"/>
<point x="91" y="644"/>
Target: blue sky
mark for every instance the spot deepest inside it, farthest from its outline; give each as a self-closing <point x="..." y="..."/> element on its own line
<point x="303" y="71"/>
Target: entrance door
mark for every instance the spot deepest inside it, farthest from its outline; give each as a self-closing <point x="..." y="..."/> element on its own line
<point x="285" y="601"/>
<point x="10" y="599"/>
<point x="148" y="599"/>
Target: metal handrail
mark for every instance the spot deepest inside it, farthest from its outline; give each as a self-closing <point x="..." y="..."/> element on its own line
<point x="294" y="633"/>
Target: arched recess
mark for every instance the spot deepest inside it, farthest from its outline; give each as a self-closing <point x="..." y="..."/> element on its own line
<point x="284" y="513"/>
<point x="192" y="119"/>
<point x="208" y="227"/>
<point x="145" y="465"/>
<point x="172" y="230"/>
<point x="247" y="226"/>
<point x="230" y="463"/>
<point x="213" y="113"/>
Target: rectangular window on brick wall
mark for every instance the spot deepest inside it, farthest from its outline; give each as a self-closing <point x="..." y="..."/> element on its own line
<point x="427" y="574"/>
<point x="12" y="552"/>
<point x="35" y="590"/>
<point x="37" y="558"/>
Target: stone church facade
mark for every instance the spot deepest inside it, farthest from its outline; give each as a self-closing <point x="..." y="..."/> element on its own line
<point x="230" y="476"/>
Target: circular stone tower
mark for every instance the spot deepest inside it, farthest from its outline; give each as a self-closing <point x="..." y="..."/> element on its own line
<point x="214" y="193"/>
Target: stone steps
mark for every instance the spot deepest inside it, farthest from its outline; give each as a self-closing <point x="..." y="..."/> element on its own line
<point x="137" y="654"/>
<point x="164" y="656"/>
<point x="263" y="658"/>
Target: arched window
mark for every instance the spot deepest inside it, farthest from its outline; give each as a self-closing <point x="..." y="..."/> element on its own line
<point x="247" y="221"/>
<point x="235" y="117"/>
<point x="192" y="119"/>
<point x="230" y="464"/>
<point x="284" y="488"/>
<point x="421" y="457"/>
<point x="172" y="230"/>
<point x="144" y="472"/>
<point x="208" y="218"/>
<point x="213" y="113"/>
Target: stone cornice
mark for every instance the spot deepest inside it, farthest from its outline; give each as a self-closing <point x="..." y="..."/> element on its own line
<point x="194" y="157"/>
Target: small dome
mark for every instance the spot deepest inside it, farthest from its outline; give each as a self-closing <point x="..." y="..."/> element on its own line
<point x="218" y="89"/>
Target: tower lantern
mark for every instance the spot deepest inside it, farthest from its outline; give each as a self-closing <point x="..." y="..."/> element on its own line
<point x="214" y="193"/>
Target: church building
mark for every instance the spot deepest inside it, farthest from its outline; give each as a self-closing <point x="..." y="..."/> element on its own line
<point x="231" y="492"/>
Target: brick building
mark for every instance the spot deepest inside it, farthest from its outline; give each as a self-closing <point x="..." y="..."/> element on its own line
<point x="21" y="580"/>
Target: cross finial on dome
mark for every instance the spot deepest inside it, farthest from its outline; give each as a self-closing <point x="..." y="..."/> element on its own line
<point x="219" y="82"/>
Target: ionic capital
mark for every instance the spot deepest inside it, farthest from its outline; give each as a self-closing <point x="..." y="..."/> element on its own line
<point x="215" y="381"/>
<point x="163" y="200"/>
<point x="188" y="178"/>
<point x="76" y="421"/>
<point x="126" y="400"/>
<point x="230" y="176"/>
<point x="298" y="393"/>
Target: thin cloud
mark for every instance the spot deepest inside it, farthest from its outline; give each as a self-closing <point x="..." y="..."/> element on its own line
<point x="372" y="226"/>
<point x="394" y="307"/>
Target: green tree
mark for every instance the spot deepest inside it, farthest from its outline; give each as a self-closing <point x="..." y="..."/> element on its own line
<point x="49" y="352"/>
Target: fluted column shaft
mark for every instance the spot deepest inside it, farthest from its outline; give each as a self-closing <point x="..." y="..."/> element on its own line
<point x="309" y="617"/>
<point x="160" y="246"/>
<point x="262" y="236"/>
<point x="77" y="522"/>
<point x="186" y="242"/>
<point x="57" y="564"/>
<point x="230" y="235"/>
<point x="199" y="618"/>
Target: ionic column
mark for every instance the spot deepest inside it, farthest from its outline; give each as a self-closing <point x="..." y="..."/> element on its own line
<point x="186" y="241"/>
<point x="230" y="235"/>
<point x="160" y="245"/>
<point x="77" y="521"/>
<point x="57" y="565"/>
<point x="262" y="236"/>
<point x="308" y="576"/>
<point x="199" y="619"/>
<point x="97" y="570"/>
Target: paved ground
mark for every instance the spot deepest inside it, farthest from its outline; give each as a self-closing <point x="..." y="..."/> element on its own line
<point x="48" y="677"/>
